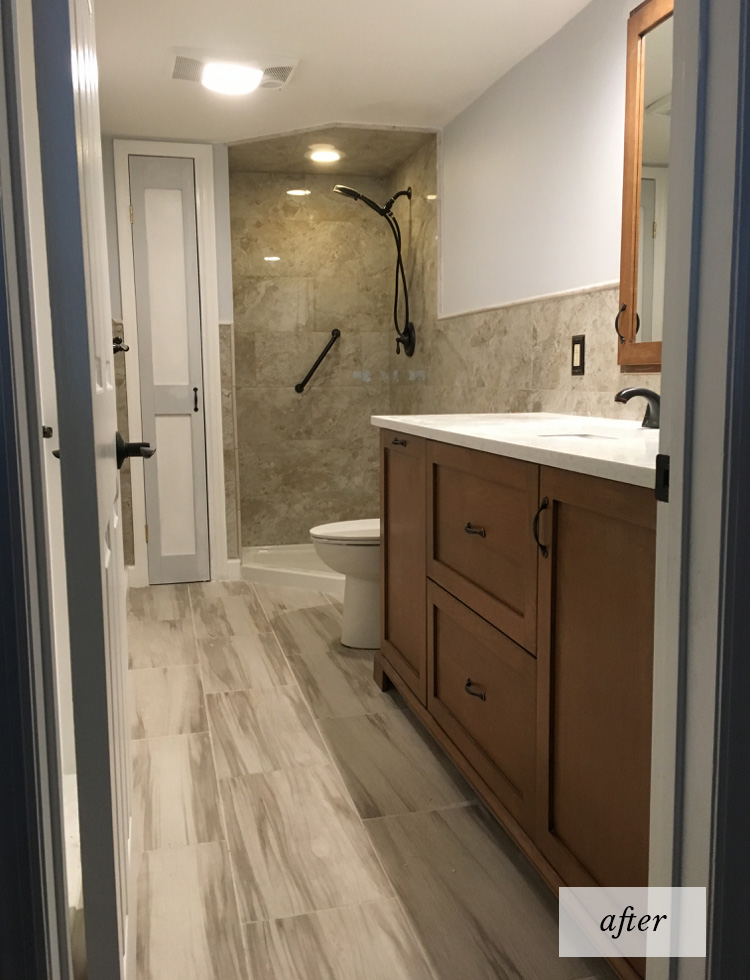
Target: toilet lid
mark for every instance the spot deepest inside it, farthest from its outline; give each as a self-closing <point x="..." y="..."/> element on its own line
<point x="349" y="532"/>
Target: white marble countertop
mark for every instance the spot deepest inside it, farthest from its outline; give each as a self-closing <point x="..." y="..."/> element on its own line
<point x="615" y="449"/>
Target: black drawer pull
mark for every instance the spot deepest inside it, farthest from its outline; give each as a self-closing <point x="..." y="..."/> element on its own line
<point x="475" y="694"/>
<point x="399" y="442"/>
<point x="470" y="529"/>
<point x="535" y="527"/>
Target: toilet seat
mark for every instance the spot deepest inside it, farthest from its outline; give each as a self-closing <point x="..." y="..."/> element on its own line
<point x="360" y="533"/>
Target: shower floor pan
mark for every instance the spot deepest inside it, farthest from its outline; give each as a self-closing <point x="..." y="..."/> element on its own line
<point x="294" y="565"/>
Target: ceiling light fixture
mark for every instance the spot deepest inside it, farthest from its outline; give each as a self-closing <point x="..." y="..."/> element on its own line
<point x="230" y="79"/>
<point x="272" y="258"/>
<point x="323" y="153"/>
<point x="297" y="192"/>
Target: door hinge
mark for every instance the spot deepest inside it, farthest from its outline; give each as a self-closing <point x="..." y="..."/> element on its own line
<point x="131" y="214"/>
<point x="661" y="490"/>
<point x="653" y="230"/>
<point x="147" y="534"/>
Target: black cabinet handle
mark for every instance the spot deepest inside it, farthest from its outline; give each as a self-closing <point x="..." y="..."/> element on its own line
<point x="617" y="322"/>
<point x="470" y="529"/>
<point x="195" y="399"/>
<point x="475" y="694"/>
<point x="535" y="527"/>
<point x="399" y="442"/>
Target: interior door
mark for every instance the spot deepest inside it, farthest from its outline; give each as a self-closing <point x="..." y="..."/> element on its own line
<point x="70" y="138"/>
<point x="165" y="258"/>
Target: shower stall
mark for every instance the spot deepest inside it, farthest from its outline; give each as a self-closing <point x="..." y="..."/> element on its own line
<point x="314" y="272"/>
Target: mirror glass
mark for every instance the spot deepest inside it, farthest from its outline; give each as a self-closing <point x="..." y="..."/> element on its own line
<point x="652" y="245"/>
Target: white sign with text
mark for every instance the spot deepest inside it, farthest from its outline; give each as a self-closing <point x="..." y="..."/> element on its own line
<point x="633" y="922"/>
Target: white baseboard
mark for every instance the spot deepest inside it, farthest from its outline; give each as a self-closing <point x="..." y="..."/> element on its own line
<point x="137" y="579"/>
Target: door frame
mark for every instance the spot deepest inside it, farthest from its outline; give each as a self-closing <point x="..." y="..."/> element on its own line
<point x="700" y="779"/>
<point x="202" y="157"/>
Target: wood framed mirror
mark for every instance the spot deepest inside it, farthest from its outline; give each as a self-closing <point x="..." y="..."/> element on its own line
<point x="645" y="186"/>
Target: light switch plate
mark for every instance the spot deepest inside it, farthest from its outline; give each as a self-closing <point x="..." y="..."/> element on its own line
<point x="578" y="355"/>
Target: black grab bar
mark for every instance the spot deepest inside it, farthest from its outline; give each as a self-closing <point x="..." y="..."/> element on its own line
<point x="299" y="388"/>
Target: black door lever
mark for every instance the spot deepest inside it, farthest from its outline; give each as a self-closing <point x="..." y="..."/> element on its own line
<point x="124" y="450"/>
<point x="118" y="346"/>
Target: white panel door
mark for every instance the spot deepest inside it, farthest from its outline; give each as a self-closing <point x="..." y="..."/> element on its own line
<point x="73" y="191"/>
<point x="165" y="255"/>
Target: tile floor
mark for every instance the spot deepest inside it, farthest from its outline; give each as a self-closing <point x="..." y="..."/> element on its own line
<point x="294" y="823"/>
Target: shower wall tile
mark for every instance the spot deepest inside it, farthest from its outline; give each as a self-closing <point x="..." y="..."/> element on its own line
<point x="310" y="458"/>
<point x="229" y="433"/>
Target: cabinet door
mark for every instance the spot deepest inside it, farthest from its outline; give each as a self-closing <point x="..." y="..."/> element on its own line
<point x="482" y="693"/>
<point x="403" y="553"/>
<point x="480" y="544"/>
<point x="595" y="661"/>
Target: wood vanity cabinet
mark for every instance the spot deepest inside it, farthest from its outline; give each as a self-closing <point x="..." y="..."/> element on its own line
<point x="530" y="661"/>
<point x="403" y="558"/>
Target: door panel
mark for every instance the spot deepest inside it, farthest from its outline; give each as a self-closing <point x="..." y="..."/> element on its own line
<point x="165" y="253"/>
<point x="595" y="678"/>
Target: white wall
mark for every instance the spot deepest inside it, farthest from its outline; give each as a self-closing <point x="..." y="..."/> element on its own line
<point x="223" y="237"/>
<point x="110" y="212"/>
<point x="223" y="232"/>
<point x="531" y="173"/>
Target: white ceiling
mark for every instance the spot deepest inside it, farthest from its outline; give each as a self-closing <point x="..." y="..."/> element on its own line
<point x="412" y="63"/>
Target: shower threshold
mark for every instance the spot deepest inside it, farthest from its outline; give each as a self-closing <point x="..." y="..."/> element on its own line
<point x="294" y="565"/>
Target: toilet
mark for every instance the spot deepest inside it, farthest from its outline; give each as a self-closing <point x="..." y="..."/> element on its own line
<point x="353" y="548"/>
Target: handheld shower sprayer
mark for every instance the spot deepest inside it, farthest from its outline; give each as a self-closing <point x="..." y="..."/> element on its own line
<point x="407" y="337"/>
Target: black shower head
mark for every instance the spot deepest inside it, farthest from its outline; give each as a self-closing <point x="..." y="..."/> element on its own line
<point x="347" y="191"/>
<point x="356" y="196"/>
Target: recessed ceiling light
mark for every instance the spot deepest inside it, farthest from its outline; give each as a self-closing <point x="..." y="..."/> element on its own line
<point x="272" y="258"/>
<point x="230" y="79"/>
<point x="298" y="192"/>
<point x="323" y="153"/>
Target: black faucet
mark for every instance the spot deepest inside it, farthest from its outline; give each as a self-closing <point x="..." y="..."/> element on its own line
<point x="651" y="418"/>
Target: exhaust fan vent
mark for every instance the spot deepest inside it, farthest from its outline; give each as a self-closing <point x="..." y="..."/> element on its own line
<point x="191" y="70"/>
<point x="276" y="77"/>
<point x="187" y="69"/>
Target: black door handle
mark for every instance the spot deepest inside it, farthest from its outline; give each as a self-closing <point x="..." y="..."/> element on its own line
<point x="475" y="694"/>
<point x="535" y="527"/>
<point x="195" y="399"/>
<point x="399" y="442"/>
<point x="471" y="529"/>
<point x="119" y="346"/>
<point x="124" y="450"/>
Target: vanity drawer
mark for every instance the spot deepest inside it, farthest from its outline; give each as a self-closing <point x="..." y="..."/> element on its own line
<point x="480" y="542"/>
<point x="495" y="726"/>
